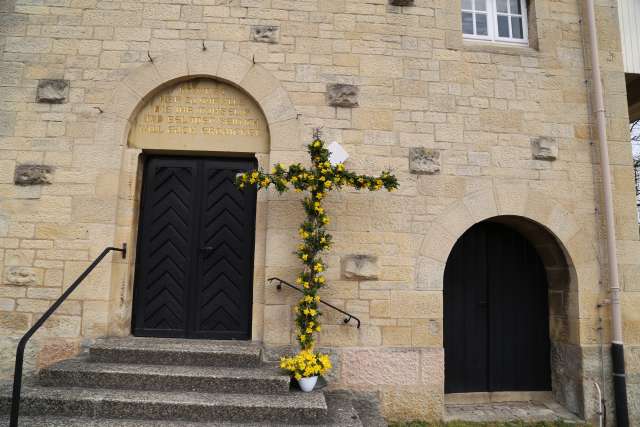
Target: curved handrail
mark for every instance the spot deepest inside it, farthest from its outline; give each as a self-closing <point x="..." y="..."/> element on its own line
<point x="17" y="375"/>
<point x="346" y="320"/>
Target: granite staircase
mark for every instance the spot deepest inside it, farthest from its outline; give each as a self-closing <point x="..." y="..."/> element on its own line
<point x="172" y="382"/>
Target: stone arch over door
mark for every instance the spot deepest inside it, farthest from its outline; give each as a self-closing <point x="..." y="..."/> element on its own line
<point x="567" y="247"/>
<point x="112" y="132"/>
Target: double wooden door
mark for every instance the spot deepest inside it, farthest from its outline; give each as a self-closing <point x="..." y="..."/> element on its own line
<point x="496" y="327"/>
<point x="194" y="263"/>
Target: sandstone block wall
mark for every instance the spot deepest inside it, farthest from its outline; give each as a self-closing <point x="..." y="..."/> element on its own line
<point x="470" y="115"/>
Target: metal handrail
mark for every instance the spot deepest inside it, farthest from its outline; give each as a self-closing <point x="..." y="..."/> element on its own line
<point x="346" y="320"/>
<point x="17" y="375"/>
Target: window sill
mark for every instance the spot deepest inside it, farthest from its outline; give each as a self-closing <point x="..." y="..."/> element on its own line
<point x="487" y="46"/>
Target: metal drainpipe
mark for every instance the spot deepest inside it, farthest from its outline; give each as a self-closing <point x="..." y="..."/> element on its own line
<point x="617" y="345"/>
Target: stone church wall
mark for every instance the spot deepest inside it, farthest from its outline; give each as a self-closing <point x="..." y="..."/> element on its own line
<point x="472" y="131"/>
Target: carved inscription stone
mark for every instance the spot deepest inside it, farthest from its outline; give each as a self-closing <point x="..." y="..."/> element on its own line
<point x="424" y="161"/>
<point x="264" y="33"/>
<point x="342" y="95"/>
<point x="28" y="174"/>
<point x="201" y="115"/>
<point x="52" y="91"/>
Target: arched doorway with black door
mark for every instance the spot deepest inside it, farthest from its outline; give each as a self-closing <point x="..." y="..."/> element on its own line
<point x="496" y="313"/>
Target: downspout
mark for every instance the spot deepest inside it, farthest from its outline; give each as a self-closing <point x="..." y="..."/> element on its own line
<point x="617" y="345"/>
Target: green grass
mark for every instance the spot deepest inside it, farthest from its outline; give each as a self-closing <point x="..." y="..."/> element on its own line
<point x="491" y="424"/>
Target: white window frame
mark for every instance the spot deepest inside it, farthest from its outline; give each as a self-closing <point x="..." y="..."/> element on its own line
<point x="492" y="24"/>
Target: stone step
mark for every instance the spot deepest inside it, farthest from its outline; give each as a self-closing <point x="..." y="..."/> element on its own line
<point x="341" y="414"/>
<point x="288" y="408"/>
<point x="80" y="373"/>
<point x="171" y="351"/>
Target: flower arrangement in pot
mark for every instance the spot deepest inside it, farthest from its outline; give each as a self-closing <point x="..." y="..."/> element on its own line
<point x="305" y="367"/>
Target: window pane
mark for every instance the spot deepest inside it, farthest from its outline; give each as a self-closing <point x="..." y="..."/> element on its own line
<point x="515" y="7"/>
<point x="502" y="6"/>
<point x="481" y="5"/>
<point x="503" y="26"/>
<point x="516" y="27"/>
<point x="467" y="23"/>
<point x="481" y="24"/>
<point x="467" y="4"/>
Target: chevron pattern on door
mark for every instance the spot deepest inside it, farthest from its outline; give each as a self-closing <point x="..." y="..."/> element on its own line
<point x="226" y="268"/>
<point x="194" y="268"/>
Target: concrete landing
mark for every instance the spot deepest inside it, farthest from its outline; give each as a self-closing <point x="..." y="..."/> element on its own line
<point x="530" y="411"/>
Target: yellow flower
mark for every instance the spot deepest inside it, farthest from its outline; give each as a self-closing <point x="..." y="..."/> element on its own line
<point x="308" y="298"/>
<point x="319" y="196"/>
<point x="304" y="257"/>
<point x="298" y="376"/>
<point x="306" y="285"/>
<point x="327" y="184"/>
<point x="325" y="220"/>
<point x="317" y="298"/>
<point x="312" y="312"/>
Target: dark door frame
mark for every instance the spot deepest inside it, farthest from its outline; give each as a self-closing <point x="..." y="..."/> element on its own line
<point x="195" y="246"/>
<point x="482" y="301"/>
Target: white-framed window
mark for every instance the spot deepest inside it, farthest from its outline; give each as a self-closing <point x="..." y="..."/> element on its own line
<point x="495" y="20"/>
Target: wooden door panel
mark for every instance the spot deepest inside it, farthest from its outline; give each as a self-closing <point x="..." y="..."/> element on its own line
<point x="164" y="256"/>
<point x="465" y="315"/>
<point x="518" y="318"/>
<point x="226" y="272"/>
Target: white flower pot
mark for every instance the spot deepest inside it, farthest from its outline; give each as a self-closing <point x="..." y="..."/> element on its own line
<point x="307" y="384"/>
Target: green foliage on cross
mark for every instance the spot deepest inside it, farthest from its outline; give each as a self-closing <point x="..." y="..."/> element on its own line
<point x="321" y="178"/>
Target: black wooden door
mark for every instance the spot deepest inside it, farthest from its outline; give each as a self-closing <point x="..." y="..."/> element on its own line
<point x="194" y="263"/>
<point x="496" y="326"/>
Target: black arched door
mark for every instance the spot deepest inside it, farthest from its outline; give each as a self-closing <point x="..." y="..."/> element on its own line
<point x="496" y="324"/>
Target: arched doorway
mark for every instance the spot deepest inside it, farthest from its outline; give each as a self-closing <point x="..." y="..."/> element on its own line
<point x="496" y="315"/>
<point x="196" y="231"/>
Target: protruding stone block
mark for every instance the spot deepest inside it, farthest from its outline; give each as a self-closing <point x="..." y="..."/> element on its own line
<point x="360" y="267"/>
<point x="401" y="2"/>
<point x="544" y="148"/>
<point x="342" y="95"/>
<point x="424" y="161"/>
<point x="29" y="174"/>
<point x="53" y="91"/>
<point x="265" y="33"/>
<point x="21" y="276"/>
